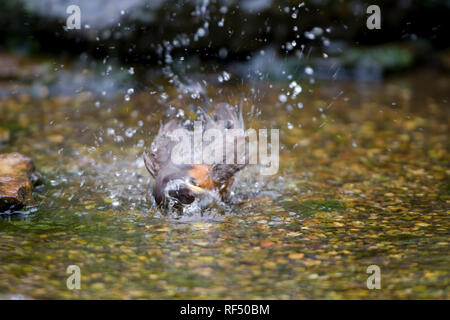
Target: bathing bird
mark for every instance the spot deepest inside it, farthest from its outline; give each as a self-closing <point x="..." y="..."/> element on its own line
<point x="179" y="184"/>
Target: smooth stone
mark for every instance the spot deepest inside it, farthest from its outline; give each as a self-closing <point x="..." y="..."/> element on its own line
<point x="17" y="177"/>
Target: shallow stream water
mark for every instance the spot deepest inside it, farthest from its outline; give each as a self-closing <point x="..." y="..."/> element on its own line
<point x="363" y="180"/>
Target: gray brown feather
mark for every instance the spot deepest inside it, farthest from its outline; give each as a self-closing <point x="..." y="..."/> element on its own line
<point x="225" y="117"/>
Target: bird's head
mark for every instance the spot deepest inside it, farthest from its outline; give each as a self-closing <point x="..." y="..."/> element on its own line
<point x="176" y="189"/>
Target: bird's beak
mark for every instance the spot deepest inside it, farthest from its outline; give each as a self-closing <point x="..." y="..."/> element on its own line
<point x="194" y="188"/>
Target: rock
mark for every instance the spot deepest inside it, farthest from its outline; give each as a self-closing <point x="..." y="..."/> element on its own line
<point x="5" y="136"/>
<point x="17" y="177"/>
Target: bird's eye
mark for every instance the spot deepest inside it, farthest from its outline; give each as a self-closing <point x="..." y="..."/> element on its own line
<point x="195" y="184"/>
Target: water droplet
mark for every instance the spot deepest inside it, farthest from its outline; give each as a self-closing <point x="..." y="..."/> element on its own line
<point x="201" y="32"/>
<point x="196" y="95"/>
<point x="297" y="88"/>
<point x="309" y="35"/>
<point x="180" y="113"/>
<point x="282" y="97"/>
<point x="118" y="139"/>
<point x="140" y="143"/>
<point x="130" y="132"/>
<point x="223" y="53"/>
<point x="309" y="71"/>
<point x="226" y="76"/>
<point x="317" y="31"/>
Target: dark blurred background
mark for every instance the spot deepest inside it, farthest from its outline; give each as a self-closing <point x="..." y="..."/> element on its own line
<point x="329" y="35"/>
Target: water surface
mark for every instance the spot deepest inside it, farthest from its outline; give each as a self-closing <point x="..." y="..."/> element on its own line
<point x="363" y="180"/>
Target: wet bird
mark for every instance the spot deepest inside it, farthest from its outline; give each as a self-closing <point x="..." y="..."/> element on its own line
<point x="180" y="184"/>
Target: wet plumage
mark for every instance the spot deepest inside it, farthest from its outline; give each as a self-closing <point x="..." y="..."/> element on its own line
<point x="183" y="183"/>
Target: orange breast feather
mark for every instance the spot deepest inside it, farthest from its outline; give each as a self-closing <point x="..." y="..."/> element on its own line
<point x="203" y="177"/>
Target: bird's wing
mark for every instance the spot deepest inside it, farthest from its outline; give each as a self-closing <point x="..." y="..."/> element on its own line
<point x="162" y="146"/>
<point x="226" y="118"/>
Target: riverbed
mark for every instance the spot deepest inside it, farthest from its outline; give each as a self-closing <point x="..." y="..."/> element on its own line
<point x="363" y="180"/>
